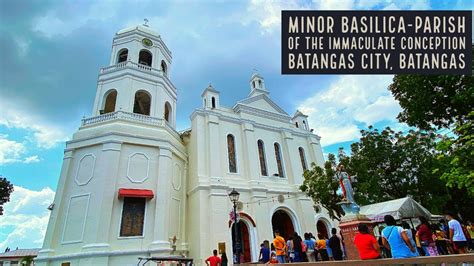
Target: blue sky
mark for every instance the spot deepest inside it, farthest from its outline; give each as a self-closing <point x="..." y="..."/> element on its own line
<point x="51" y="52"/>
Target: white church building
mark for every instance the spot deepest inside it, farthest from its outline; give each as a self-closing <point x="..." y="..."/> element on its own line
<point x="132" y="186"/>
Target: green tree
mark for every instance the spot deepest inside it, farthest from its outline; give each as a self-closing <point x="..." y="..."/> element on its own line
<point x="457" y="156"/>
<point x="429" y="101"/>
<point x="390" y="165"/>
<point x="6" y="188"/>
<point x="442" y="102"/>
<point x="320" y="185"/>
<point x="27" y="260"/>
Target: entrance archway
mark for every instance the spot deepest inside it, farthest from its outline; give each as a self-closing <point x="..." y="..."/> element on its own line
<point x="243" y="235"/>
<point x="322" y="229"/>
<point x="282" y="222"/>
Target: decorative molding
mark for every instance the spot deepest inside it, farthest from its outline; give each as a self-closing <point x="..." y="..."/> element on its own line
<point x="88" y="179"/>
<point x="266" y="99"/>
<point x="177" y="177"/>
<point x="136" y="179"/>
<point x="88" y="195"/>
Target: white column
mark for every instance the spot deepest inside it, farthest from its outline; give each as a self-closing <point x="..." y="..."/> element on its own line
<point x="251" y="151"/>
<point x="58" y="201"/>
<point x="214" y="148"/>
<point x="162" y="199"/>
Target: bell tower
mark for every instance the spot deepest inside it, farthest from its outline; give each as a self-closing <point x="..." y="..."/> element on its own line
<point x="121" y="193"/>
<point x="137" y="79"/>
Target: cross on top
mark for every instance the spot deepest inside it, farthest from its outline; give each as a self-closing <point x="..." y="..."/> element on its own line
<point x="146" y="21"/>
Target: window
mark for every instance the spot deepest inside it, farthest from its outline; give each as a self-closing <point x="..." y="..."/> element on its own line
<point x="164" y="67"/>
<point x="261" y="156"/>
<point x="133" y="217"/>
<point x="167" y="111"/>
<point x="303" y="159"/>
<point x="213" y="102"/>
<point x="142" y="103"/>
<point x="304" y="125"/>
<point x="297" y="124"/>
<point x="231" y="153"/>
<point x="278" y="159"/>
<point x="109" y="103"/>
<point x="145" y="58"/>
<point x="122" y="56"/>
<point x="260" y="83"/>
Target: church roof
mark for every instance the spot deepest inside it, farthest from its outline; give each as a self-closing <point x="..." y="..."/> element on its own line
<point x="20" y="253"/>
<point x="138" y="28"/>
<point x="209" y="88"/>
<point x="299" y="113"/>
<point x="262" y="102"/>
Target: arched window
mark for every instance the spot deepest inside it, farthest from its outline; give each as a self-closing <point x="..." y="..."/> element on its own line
<point x="213" y="102"/>
<point x="145" y="58"/>
<point x="303" y="159"/>
<point x="231" y="153"/>
<point x="109" y="102"/>
<point x="297" y="124"/>
<point x="304" y="125"/>
<point x="122" y="55"/>
<point x="279" y="160"/>
<point x="261" y="156"/>
<point x="164" y="67"/>
<point x="260" y="83"/>
<point x="142" y="103"/>
<point x="167" y="114"/>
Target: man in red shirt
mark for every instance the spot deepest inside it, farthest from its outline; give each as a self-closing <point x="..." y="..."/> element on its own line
<point x="213" y="260"/>
<point x="366" y="244"/>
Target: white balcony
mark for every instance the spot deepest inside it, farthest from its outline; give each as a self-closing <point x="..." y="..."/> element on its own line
<point x="121" y="116"/>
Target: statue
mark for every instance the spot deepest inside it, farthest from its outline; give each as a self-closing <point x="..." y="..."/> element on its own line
<point x="348" y="203"/>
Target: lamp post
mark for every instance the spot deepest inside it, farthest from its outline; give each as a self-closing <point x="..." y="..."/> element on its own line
<point x="234" y="198"/>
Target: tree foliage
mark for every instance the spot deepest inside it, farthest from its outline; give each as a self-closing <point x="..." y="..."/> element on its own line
<point x="433" y="100"/>
<point x="387" y="165"/>
<point x="457" y="156"/>
<point x="391" y="165"/>
<point x="444" y="101"/>
<point x="320" y="185"/>
<point x="6" y="188"/>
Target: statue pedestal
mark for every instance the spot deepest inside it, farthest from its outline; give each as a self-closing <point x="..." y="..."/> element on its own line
<point x="349" y="228"/>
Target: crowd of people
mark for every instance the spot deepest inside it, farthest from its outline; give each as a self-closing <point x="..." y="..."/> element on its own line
<point x="395" y="241"/>
<point x="427" y="239"/>
<point x="302" y="249"/>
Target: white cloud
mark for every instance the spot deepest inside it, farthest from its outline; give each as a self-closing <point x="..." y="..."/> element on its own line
<point x="32" y="159"/>
<point x="52" y="24"/>
<point x="10" y="150"/>
<point x="336" y="112"/>
<point x="45" y="135"/>
<point x="27" y="215"/>
<point x="268" y="13"/>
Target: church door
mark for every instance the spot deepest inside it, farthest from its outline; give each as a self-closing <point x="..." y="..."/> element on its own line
<point x="322" y="229"/>
<point x="281" y="221"/>
<point x="244" y="240"/>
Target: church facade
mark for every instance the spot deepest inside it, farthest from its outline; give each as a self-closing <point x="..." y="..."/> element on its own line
<point x="132" y="186"/>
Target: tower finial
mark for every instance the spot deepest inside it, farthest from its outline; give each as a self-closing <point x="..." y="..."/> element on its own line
<point x="146" y="21"/>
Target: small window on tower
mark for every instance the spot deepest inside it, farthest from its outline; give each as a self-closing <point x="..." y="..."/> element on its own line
<point x="297" y="124"/>
<point x="122" y="56"/>
<point x="145" y="58"/>
<point x="304" y="125"/>
<point x="260" y="83"/>
<point x="133" y="217"/>
<point x="164" y="67"/>
<point x="213" y="100"/>
<point x="167" y="111"/>
<point x="109" y="103"/>
<point x="142" y="103"/>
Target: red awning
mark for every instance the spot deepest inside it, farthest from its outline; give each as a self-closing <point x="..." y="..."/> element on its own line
<point x="135" y="193"/>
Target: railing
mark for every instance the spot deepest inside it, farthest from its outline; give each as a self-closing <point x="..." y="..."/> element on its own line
<point x="121" y="115"/>
<point x="461" y="259"/>
<point x="133" y="65"/>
